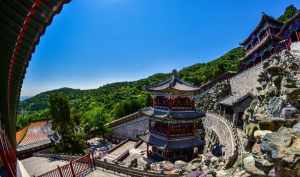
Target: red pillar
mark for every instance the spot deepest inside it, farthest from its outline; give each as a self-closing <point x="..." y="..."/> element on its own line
<point x="297" y="35"/>
<point x="194" y="128"/>
<point x="154" y="102"/>
<point x="168" y="131"/>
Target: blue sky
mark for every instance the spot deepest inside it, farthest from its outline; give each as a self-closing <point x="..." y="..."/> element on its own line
<point x="94" y="42"/>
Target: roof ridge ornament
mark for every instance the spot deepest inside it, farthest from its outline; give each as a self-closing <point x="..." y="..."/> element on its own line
<point x="174" y="77"/>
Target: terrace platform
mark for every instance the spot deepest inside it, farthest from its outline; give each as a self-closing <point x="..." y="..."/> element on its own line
<point x="119" y="151"/>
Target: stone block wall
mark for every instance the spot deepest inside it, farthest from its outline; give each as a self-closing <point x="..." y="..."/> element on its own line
<point x="132" y="128"/>
<point x="246" y="81"/>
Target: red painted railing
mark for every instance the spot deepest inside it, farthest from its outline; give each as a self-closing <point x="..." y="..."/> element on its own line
<point x="7" y="154"/>
<point x="75" y="168"/>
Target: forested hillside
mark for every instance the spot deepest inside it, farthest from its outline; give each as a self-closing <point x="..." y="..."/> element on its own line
<point x="122" y="98"/>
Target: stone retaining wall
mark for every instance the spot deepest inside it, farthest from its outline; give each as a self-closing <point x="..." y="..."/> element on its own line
<point x="246" y="81"/>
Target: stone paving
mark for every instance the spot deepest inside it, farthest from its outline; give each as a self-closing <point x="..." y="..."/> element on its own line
<point x="38" y="165"/>
<point x="138" y="153"/>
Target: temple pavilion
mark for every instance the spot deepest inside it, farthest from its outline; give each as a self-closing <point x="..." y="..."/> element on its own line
<point x="174" y="122"/>
<point x="269" y="37"/>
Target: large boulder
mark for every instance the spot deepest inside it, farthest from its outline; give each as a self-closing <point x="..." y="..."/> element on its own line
<point x="259" y="134"/>
<point x="283" y="148"/>
<point x="179" y="164"/>
<point x="288" y="112"/>
<point x="274" y="147"/>
<point x="249" y="165"/>
<point x="296" y="127"/>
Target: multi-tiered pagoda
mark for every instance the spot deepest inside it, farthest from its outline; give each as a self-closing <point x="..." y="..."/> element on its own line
<point x="174" y="122"/>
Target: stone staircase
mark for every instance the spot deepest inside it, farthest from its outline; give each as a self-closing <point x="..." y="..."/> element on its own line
<point x="110" y="157"/>
<point x="226" y="135"/>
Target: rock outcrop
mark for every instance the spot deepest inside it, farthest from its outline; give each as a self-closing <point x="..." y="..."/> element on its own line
<point x="207" y="101"/>
<point x="279" y="90"/>
<point x="272" y="120"/>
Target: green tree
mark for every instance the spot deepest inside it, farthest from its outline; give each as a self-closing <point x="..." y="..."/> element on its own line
<point x="94" y="121"/>
<point x="59" y="111"/>
<point x="129" y="106"/>
<point x="290" y="11"/>
<point x="72" y="137"/>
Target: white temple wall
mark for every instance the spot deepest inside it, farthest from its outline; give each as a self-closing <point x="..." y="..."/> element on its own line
<point x="132" y="129"/>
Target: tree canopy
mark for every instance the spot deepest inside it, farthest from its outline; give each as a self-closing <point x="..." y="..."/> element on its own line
<point x="290" y="11"/>
<point x="65" y="125"/>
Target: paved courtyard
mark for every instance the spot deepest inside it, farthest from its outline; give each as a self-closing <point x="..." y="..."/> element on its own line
<point x="38" y="165"/>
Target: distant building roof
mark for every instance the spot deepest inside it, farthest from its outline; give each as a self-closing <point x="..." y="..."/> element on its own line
<point x="171" y="144"/>
<point x="235" y="99"/>
<point x="173" y="83"/>
<point x="36" y="134"/>
<point x="264" y="19"/>
<point x="21" y="134"/>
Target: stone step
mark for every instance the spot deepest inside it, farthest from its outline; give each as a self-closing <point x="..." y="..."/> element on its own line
<point x="295" y="53"/>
